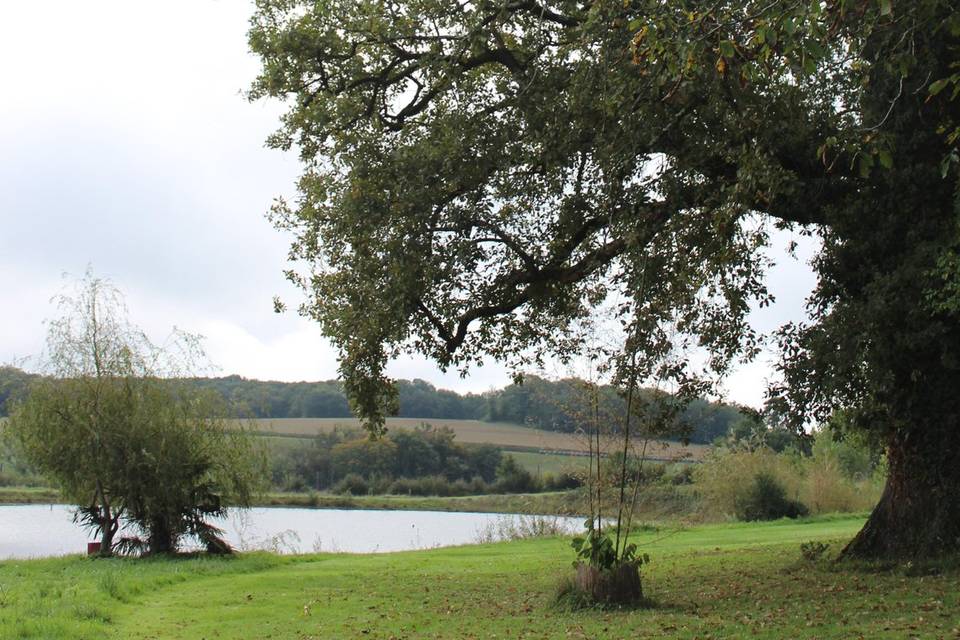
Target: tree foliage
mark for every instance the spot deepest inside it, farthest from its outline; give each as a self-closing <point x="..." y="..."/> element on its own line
<point x="490" y="210"/>
<point x="13" y="383"/>
<point x="423" y="452"/>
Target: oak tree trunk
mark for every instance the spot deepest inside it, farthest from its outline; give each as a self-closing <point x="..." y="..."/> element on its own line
<point x="918" y="515"/>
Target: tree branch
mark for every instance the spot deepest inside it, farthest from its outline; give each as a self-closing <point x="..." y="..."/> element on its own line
<point x="528" y="284"/>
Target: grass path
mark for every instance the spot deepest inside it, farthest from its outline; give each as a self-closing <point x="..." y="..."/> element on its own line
<point x="720" y="581"/>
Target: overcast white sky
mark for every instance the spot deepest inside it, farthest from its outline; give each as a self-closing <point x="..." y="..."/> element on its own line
<point x="125" y="144"/>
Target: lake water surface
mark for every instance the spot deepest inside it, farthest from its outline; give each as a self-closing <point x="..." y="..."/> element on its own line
<point x="32" y="531"/>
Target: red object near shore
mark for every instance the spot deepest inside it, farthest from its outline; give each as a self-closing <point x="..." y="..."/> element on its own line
<point x="93" y="548"/>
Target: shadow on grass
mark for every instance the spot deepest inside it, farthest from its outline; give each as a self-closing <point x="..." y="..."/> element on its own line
<point x="903" y="567"/>
<point x="822" y="557"/>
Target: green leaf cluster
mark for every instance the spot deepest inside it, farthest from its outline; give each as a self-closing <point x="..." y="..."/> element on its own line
<point x="596" y="549"/>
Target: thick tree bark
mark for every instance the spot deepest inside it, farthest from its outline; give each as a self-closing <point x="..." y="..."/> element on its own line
<point x="918" y="515"/>
<point x="161" y="539"/>
<point x="107" y="532"/>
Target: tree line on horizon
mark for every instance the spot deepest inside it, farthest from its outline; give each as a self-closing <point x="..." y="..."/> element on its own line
<point x="536" y="402"/>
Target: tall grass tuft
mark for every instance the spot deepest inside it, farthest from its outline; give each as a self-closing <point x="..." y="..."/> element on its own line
<point x="523" y="527"/>
<point x="109" y="583"/>
<point x="728" y="476"/>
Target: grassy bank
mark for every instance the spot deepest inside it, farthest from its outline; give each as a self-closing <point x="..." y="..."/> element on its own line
<point x="658" y="503"/>
<point x="554" y="503"/>
<point x="551" y="503"/>
<point x="720" y="581"/>
<point x="29" y="495"/>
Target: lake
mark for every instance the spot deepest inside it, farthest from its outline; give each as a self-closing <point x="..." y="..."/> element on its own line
<point x="32" y="531"/>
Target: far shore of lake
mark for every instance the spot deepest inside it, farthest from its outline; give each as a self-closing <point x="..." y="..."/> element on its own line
<point x="550" y="503"/>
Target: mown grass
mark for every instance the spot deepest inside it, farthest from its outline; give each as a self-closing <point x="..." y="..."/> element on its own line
<point x="720" y="581"/>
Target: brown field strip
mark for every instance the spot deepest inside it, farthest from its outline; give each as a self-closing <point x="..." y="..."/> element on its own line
<point x="477" y="432"/>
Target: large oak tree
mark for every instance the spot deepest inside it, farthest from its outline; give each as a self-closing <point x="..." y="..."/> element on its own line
<point x="480" y="176"/>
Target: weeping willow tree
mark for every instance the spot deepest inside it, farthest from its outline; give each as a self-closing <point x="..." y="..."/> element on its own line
<point x="480" y="176"/>
<point x="134" y="449"/>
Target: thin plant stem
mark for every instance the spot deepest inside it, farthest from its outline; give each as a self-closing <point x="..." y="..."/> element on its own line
<point x="590" y="480"/>
<point x="636" y="487"/>
<point x="596" y="428"/>
<point x="623" y="462"/>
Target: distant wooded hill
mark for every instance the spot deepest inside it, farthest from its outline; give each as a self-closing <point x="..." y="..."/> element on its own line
<point x="544" y="404"/>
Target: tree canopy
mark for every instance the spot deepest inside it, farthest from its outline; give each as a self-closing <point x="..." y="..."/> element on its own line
<point x="480" y="178"/>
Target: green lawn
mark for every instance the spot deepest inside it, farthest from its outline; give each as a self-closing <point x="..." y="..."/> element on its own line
<point x="720" y="581"/>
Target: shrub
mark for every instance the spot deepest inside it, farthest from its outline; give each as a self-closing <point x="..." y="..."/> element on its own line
<point x="767" y="499"/>
<point x="431" y="486"/>
<point x="401" y="487"/>
<point x="562" y="482"/>
<point x="460" y="488"/>
<point x="512" y="478"/>
<point x="653" y="472"/>
<point x="379" y="485"/>
<point x="839" y="477"/>
<point x="478" y="486"/>
<point x="434" y="486"/>
<point x="856" y="456"/>
<point x="681" y="474"/>
<point x="352" y="484"/>
<point x="649" y="472"/>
